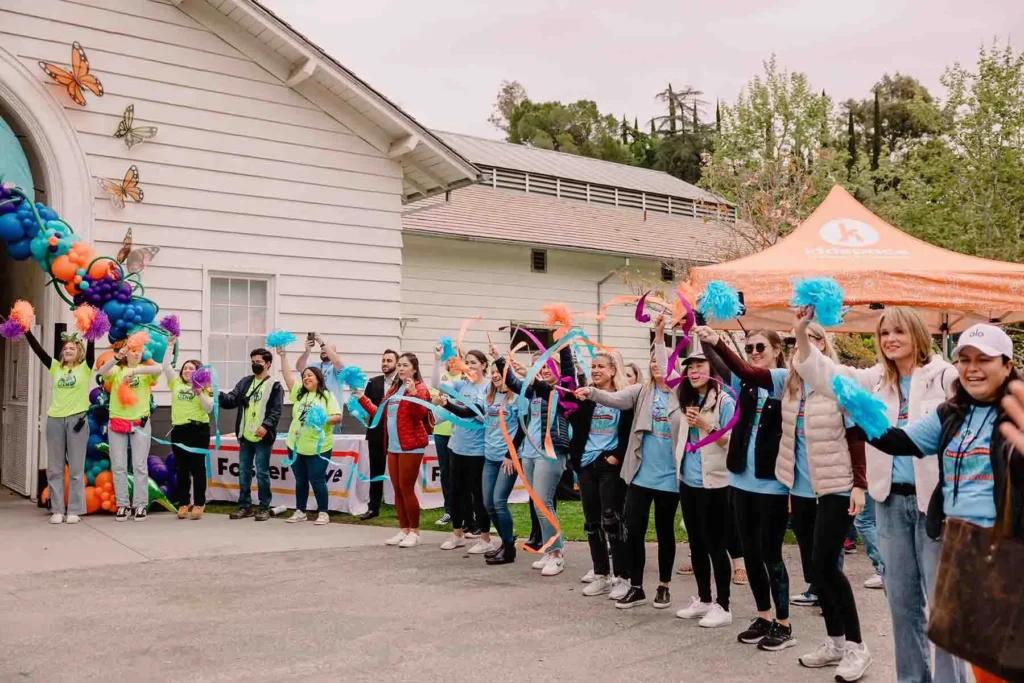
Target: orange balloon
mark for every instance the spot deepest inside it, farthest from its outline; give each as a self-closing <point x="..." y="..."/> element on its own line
<point x="92" y="500"/>
<point x="99" y="269"/>
<point x="71" y="288"/>
<point x="105" y="505"/>
<point x="106" y="386"/>
<point x="62" y="268"/>
<point x="104" y="479"/>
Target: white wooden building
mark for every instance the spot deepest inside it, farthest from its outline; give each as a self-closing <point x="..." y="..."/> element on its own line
<point x="543" y="227"/>
<point x="274" y="187"/>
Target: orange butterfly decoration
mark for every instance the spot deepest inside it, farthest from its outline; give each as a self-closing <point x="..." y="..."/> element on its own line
<point x="78" y="78"/>
<point x="125" y="189"/>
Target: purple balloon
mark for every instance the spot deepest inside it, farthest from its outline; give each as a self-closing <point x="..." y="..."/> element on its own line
<point x="94" y="395"/>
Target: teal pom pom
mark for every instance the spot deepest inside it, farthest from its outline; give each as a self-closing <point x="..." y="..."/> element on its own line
<point x="719" y="301"/>
<point x="823" y="294"/>
<point x="352" y="377"/>
<point x="356" y="410"/>
<point x="865" y="409"/>
<point x="316" y="417"/>
<point x="447" y="349"/>
<point x="279" y="339"/>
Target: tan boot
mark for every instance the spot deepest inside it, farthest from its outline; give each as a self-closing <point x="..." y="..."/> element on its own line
<point x="197" y="512"/>
<point x="183" y="512"/>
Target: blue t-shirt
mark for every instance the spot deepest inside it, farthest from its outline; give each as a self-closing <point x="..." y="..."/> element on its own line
<point x="802" y="472"/>
<point x="468" y="442"/>
<point x="747" y="481"/>
<point x="604" y="434"/>
<point x="494" y="441"/>
<point x="533" y="443"/>
<point x="903" y="468"/>
<point x="392" y="422"/>
<point x="973" y="480"/>
<point x="692" y="468"/>
<point x="658" y="462"/>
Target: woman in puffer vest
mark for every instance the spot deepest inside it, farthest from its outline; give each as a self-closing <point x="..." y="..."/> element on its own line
<point x="822" y="465"/>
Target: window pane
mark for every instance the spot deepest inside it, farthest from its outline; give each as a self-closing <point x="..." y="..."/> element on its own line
<point x="257" y="292"/>
<point x="235" y="372"/>
<point x="256" y="343"/>
<point x="258" y="319"/>
<point x="223" y="381"/>
<point x="237" y="350"/>
<point x="218" y="290"/>
<point x="239" y="319"/>
<point x="218" y="349"/>
<point x="218" y="318"/>
<point x="239" y="292"/>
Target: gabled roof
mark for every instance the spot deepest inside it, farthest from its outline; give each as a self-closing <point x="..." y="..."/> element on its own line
<point x="500" y="154"/>
<point x="495" y="215"/>
<point x="429" y="165"/>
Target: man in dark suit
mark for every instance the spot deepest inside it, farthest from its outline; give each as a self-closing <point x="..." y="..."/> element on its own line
<point x="376" y="389"/>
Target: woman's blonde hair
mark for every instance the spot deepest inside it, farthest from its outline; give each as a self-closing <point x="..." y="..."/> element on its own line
<point x="618" y="378"/>
<point x="911" y="323"/>
<point x="795" y="383"/>
<point x="636" y="371"/>
<point x="79" y="347"/>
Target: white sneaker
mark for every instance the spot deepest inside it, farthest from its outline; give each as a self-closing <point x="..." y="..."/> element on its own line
<point x="855" y="662"/>
<point x="56" y="518"/>
<point x="322" y="518"/>
<point x="72" y="519"/>
<point x="410" y="541"/>
<point x="297" y="516"/>
<point x="827" y="654"/>
<point x="554" y="567"/>
<point x="539" y="564"/>
<point x="588" y="577"/>
<point x="482" y="547"/>
<point x="453" y="542"/>
<point x="444" y="520"/>
<point x="718" y="616"/>
<point x="619" y="589"/>
<point x="599" y="586"/>
<point x="874" y="582"/>
<point x="396" y="539"/>
<point x="695" y="609"/>
<point x="471" y="534"/>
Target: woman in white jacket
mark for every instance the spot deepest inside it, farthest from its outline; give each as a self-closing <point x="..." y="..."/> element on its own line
<point x="911" y="380"/>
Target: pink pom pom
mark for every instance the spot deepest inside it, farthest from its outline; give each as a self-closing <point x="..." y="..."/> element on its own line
<point x="171" y="325"/>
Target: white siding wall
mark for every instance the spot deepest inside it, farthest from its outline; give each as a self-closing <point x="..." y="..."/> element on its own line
<point x="245" y="174"/>
<point x="445" y="281"/>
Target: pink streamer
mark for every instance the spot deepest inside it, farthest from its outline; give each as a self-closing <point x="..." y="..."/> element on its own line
<point x="718" y="433"/>
<point x="673" y="359"/>
<point x="540" y="347"/>
<point x="641" y="316"/>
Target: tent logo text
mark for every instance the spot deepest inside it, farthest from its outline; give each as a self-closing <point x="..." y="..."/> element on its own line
<point x="847" y="232"/>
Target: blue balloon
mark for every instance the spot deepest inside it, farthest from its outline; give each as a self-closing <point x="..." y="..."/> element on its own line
<point x="114" y="310"/>
<point x="144" y="309"/>
<point x="10" y="228"/>
<point x="46" y="213"/>
<point x="20" y="250"/>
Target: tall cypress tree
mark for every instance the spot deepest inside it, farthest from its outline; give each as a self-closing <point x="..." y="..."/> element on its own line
<point x="625" y="130"/>
<point x="718" y="117"/>
<point x="671" y="110"/>
<point x="876" y="135"/>
<point x="696" y="123"/>
<point x="851" y="145"/>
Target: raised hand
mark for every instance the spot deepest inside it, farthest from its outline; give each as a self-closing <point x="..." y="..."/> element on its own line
<point x="1013" y="404"/>
<point x="706" y="335"/>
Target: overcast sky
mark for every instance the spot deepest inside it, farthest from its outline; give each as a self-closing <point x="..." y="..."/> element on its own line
<point x="443" y="61"/>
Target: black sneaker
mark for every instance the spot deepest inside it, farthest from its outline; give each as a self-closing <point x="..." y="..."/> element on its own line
<point x="662" y="598"/>
<point x="780" y="638"/>
<point x="262" y="515"/>
<point x="368" y="515"/>
<point x="123" y="514"/>
<point x="759" y="629"/>
<point x="241" y="513"/>
<point x="141" y="514"/>
<point x="634" y="598"/>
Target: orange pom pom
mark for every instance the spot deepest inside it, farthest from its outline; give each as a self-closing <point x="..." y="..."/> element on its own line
<point x="560" y="315"/>
<point x="137" y="341"/>
<point x="84" y="315"/>
<point x="23" y="312"/>
<point x="125" y="395"/>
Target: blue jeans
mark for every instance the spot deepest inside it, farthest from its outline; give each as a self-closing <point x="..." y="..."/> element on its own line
<point x="497" y="487"/>
<point x="909" y="563"/>
<point x="544" y="474"/>
<point x="247" y="453"/>
<point x="310" y="470"/>
<point x="443" y="463"/>
<point x="865" y="525"/>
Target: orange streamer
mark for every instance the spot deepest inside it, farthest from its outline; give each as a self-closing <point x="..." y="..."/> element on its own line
<point x="125" y="395"/>
<point x="560" y="315"/>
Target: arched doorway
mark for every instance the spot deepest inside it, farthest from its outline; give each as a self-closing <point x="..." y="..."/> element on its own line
<point x="57" y="166"/>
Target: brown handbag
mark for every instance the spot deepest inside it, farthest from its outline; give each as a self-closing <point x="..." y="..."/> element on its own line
<point x="977" y="612"/>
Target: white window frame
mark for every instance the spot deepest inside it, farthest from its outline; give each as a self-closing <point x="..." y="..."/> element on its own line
<point x="273" y="303"/>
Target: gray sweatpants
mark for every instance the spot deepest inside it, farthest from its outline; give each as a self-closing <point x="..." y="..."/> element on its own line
<point x="119" y="464"/>
<point x="65" y="446"/>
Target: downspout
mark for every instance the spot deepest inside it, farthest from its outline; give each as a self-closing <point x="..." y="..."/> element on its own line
<point x="600" y="300"/>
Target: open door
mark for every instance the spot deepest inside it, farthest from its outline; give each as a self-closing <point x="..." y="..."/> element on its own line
<point x="20" y="417"/>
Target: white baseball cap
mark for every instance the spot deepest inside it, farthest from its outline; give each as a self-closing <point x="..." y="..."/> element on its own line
<point x="989" y="339"/>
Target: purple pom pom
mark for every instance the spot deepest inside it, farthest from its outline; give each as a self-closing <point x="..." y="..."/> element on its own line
<point x="201" y="379"/>
<point x="171" y="324"/>
<point x="11" y="329"/>
<point x="99" y="328"/>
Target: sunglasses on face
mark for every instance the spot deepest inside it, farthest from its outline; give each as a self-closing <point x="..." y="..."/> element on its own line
<point x="760" y="347"/>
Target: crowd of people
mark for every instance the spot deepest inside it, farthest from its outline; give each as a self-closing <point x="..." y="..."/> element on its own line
<point x="745" y="446"/>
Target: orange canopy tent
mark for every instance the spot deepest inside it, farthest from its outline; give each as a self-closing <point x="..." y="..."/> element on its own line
<point x="877" y="265"/>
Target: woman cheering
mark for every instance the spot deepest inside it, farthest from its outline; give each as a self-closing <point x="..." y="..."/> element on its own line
<point x="190" y="429"/>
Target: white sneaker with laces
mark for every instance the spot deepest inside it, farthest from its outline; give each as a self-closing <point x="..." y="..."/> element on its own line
<point x="554" y="567"/>
<point x="619" y="590"/>
<point x="695" y="609"/>
<point x="874" y="582"/>
<point x="322" y="518"/>
<point x="453" y="542"/>
<point x="396" y="539"/>
<point x="297" y="516"/>
<point x="444" y="520"/>
<point x="410" y="541"/>
<point x="717" y="617"/>
<point x="599" y="586"/>
<point x="72" y="519"/>
<point x="827" y="654"/>
<point x="856" y="661"/>
<point x="588" y="577"/>
<point x="482" y="547"/>
<point x="539" y="564"/>
<point x="56" y="518"/>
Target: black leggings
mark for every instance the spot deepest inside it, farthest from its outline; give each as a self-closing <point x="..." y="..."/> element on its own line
<point x="705" y="512"/>
<point x="467" y="475"/>
<point x="761" y="524"/>
<point x="638" y="513"/>
<point x="191" y="466"/>
<point x="733" y="542"/>
<point x="820" y="527"/>
<point x="603" y="494"/>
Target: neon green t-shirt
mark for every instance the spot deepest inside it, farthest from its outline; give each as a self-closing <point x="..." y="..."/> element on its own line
<point x="258" y="394"/>
<point x="303" y="441"/>
<point x="185" y="404"/>
<point x="141" y="386"/>
<point x="70" y="394"/>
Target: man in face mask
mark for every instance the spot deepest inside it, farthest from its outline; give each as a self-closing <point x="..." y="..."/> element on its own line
<point x="259" y="400"/>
